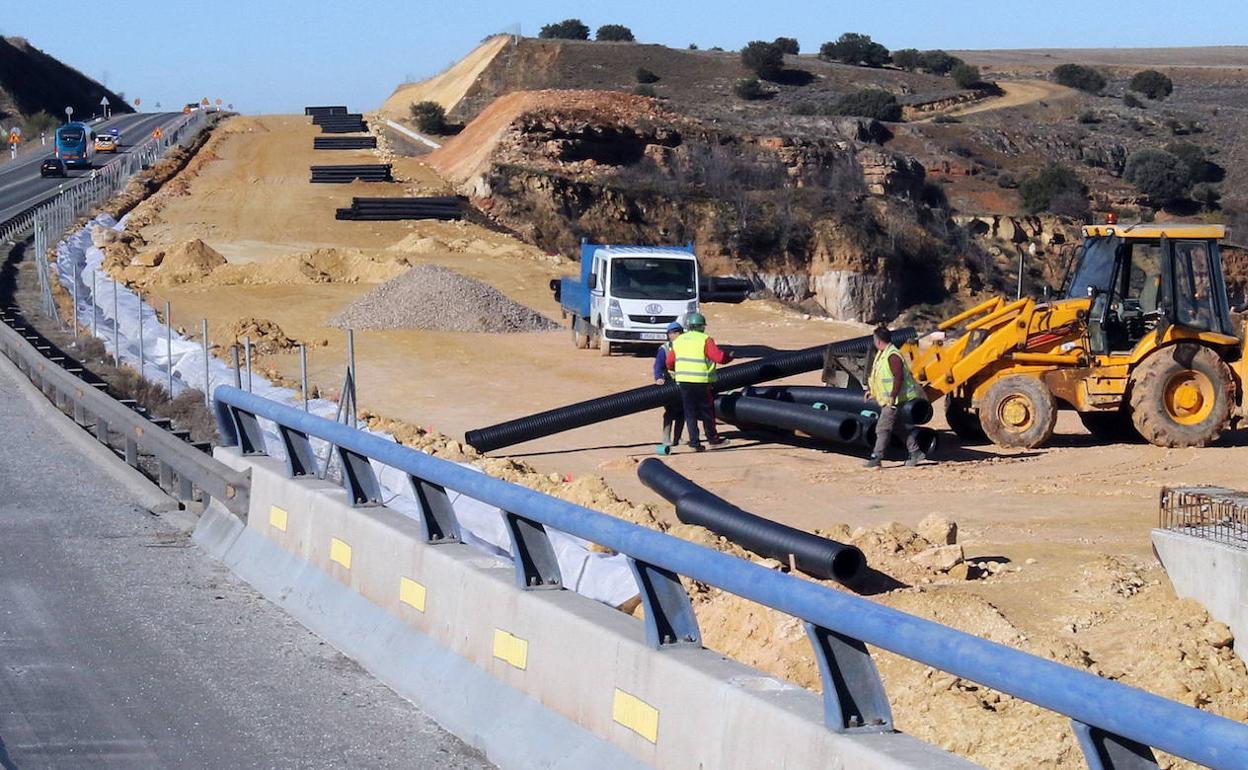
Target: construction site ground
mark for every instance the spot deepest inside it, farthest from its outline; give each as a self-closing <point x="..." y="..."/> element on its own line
<point x="1056" y="539"/>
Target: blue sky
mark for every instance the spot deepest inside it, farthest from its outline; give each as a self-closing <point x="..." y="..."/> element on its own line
<point x="278" y="55"/>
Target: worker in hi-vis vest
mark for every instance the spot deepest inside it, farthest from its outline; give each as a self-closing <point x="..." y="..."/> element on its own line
<point x="673" y="414"/>
<point x="892" y="384"/>
<point x="692" y="361"/>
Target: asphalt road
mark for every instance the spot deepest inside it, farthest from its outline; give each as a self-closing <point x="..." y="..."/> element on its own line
<point x="124" y="646"/>
<point x="22" y="187"/>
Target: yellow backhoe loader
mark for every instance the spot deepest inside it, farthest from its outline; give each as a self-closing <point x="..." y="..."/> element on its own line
<point x="1141" y="340"/>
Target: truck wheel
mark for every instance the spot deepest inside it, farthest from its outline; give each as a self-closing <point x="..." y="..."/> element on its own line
<point x="962" y="421"/>
<point x="1019" y="411"/>
<point x="605" y="346"/>
<point x="1182" y="395"/>
<point x="1112" y="427"/>
<point x="579" y="338"/>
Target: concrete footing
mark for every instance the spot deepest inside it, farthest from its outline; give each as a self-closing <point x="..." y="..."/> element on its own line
<point x="1214" y="574"/>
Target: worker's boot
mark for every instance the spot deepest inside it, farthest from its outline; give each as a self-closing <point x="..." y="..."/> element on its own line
<point x="915" y="458"/>
<point x="872" y="463"/>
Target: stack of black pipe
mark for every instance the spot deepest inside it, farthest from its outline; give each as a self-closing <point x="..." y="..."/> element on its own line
<point x="348" y="123"/>
<point x="842" y="403"/>
<point x="344" y="142"/>
<point x="728" y="290"/>
<point x="656" y="396"/>
<point x="375" y="209"/>
<point x="366" y="172"/>
<point x="323" y="111"/>
<point x="817" y="556"/>
<point x="837" y="427"/>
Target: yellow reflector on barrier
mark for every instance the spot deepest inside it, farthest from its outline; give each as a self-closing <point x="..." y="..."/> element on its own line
<point x="511" y="649"/>
<point x="339" y="552"/>
<point x="277" y="517"/>
<point x="635" y="714"/>
<point x="412" y="593"/>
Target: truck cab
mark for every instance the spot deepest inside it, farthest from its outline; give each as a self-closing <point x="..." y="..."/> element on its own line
<point x="627" y="295"/>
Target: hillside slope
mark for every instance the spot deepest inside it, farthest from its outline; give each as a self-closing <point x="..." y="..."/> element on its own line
<point x="447" y="88"/>
<point x="31" y="81"/>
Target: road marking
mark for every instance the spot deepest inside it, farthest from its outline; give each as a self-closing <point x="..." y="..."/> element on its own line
<point x="511" y="649"/>
<point x="635" y="714"/>
<point x="340" y="552"/>
<point x="412" y="593"/>
<point x="277" y="517"/>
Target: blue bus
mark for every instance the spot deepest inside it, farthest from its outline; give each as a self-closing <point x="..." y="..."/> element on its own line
<point x="73" y="144"/>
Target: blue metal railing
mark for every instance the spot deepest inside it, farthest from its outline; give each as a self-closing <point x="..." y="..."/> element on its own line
<point x="1115" y="724"/>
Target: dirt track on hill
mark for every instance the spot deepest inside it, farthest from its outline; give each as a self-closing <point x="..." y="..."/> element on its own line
<point x="1017" y="93"/>
<point x="1058" y="537"/>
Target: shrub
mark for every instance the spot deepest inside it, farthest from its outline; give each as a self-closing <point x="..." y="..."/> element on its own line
<point x="1007" y="181"/>
<point x="646" y="76"/>
<point x="938" y="62"/>
<point x="855" y="48"/>
<point x="749" y="89"/>
<point x="693" y="46"/>
<point x="568" y="29"/>
<point x="1208" y="196"/>
<point x="1131" y="100"/>
<point x="763" y="59"/>
<point x="1151" y="83"/>
<point x="804" y="108"/>
<point x="1078" y="76"/>
<point x="1039" y="190"/>
<point x="429" y="117"/>
<point x="1161" y="176"/>
<point x="1088" y="117"/>
<point x="869" y="103"/>
<point x="908" y="59"/>
<point x="966" y="76"/>
<point x="614" y="33"/>
<point x="787" y="45"/>
<point x="39" y="123"/>
<point x="1199" y="169"/>
<point x="645" y="89"/>
<point x="945" y="119"/>
<point x="1071" y="204"/>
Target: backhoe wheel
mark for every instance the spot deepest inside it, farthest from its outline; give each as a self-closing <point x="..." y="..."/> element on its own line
<point x="1112" y="427"/>
<point x="962" y="421"/>
<point x="1182" y="395"/>
<point x="1019" y="411"/>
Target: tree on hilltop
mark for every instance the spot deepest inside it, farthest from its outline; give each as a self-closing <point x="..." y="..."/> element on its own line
<point x="568" y="29"/>
<point x="615" y="33"/>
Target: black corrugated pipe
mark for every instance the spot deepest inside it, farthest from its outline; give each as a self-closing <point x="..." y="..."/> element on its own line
<point x="816" y="556"/>
<point x="929" y="439"/>
<point x="840" y="427"/>
<point x="845" y="399"/>
<point x="595" y="410"/>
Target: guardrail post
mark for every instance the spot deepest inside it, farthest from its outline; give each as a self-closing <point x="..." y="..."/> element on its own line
<point x="853" y="694"/>
<point x="438" y="523"/>
<point x="300" y="459"/>
<point x="247" y="429"/>
<point x="358" y="479"/>
<point x="532" y="553"/>
<point x="132" y="452"/>
<point x="670" y="620"/>
<point x="1106" y="751"/>
<point x="165" y="479"/>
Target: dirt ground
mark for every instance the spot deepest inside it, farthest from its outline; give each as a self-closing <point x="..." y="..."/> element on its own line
<point x="1056" y="540"/>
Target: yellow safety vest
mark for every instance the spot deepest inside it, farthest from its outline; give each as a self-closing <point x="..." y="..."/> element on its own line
<point x="881" y="382"/>
<point x="692" y="364"/>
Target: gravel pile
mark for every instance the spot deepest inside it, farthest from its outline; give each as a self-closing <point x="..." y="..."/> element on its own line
<point x="437" y="299"/>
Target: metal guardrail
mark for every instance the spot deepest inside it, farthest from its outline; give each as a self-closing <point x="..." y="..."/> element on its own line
<point x="1210" y="513"/>
<point x="184" y="469"/>
<point x="1114" y="723"/>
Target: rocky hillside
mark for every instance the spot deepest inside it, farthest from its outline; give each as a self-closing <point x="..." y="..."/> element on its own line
<point x="31" y="81"/>
<point x="852" y="217"/>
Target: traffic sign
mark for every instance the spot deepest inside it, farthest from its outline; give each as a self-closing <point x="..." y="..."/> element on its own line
<point x="204" y="101"/>
<point x="157" y="133"/>
<point x="137" y="101"/>
<point x="103" y="101"/>
<point x="69" y="113"/>
<point x="17" y="130"/>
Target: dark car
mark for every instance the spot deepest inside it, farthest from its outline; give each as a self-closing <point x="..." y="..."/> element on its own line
<point x="52" y="167"/>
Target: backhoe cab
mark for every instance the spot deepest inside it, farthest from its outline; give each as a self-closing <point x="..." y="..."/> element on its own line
<point x="1141" y="341"/>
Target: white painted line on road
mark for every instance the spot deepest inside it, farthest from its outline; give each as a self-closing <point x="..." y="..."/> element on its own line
<point x="410" y="133"/>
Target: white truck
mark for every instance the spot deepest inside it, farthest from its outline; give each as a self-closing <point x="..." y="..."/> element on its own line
<point x="627" y="295"/>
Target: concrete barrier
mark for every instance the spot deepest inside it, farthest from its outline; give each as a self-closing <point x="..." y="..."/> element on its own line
<point x="1214" y="574"/>
<point x="535" y="679"/>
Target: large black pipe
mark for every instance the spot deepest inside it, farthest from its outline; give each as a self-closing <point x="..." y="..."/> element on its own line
<point x="654" y="396"/>
<point x="840" y="427"/>
<point x="816" y="556"/>
<point x="929" y="439"/>
<point x="919" y="411"/>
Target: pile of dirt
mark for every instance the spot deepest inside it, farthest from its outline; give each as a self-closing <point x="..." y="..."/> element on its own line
<point x="266" y="336"/>
<point x="186" y="262"/>
<point x="435" y="298"/>
<point x="324" y="265"/>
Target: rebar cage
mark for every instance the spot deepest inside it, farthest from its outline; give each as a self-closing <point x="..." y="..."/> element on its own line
<point x="1211" y="513"/>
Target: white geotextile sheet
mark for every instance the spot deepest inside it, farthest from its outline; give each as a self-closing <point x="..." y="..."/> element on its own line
<point x="606" y="578"/>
